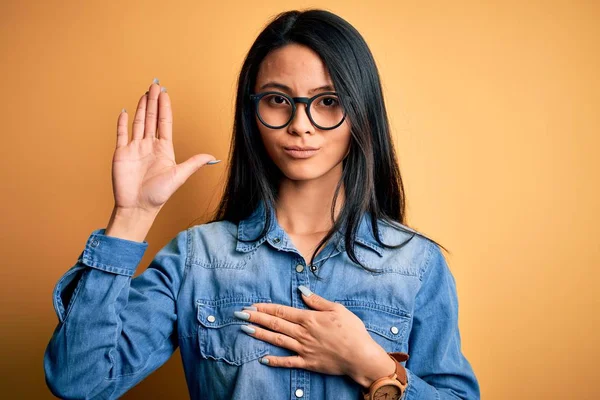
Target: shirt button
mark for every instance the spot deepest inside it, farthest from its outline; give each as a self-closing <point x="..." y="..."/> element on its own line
<point x="299" y="393"/>
<point x="95" y="243"/>
<point x="299" y="268"/>
<point x="394" y="330"/>
<point x="276" y="240"/>
<point x="313" y="268"/>
<point x="211" y="318"/>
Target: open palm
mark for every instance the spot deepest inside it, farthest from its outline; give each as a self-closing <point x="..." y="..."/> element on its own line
<point x="144" y="171"/>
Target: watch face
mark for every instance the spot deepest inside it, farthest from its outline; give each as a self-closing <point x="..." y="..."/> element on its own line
<point x="387" y="393"/>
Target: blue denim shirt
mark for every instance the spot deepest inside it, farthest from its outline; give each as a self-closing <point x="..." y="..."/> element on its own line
<point x="113" y="330"/>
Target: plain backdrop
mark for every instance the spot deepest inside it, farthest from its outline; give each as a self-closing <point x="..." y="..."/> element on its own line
<point x="494" y="108"/>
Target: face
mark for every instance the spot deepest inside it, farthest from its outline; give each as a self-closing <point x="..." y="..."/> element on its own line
<point x="298" y="71"/>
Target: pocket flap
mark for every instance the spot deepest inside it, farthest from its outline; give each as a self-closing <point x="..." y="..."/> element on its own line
<point x="391" y="323"/>
<point x="219" y="313"/>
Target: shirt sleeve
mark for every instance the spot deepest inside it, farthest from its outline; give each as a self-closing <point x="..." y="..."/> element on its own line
<point x="113" y="330"/>
<point x="437" y="369"/>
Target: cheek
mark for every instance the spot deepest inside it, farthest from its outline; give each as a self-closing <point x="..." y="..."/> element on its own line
<point x="339" y="143"/>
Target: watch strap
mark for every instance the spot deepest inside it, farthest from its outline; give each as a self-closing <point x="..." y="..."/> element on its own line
<point x="400" y="370"/>
<point x="399" y="374"/>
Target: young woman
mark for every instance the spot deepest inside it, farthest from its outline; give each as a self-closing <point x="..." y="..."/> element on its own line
<point x="307" y="284"/>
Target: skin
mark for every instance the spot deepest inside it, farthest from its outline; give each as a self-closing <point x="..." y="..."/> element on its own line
<point x="328" y="338"/>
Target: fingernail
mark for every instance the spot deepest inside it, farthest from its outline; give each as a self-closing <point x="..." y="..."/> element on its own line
<point x="241" y="315"/>
<point x="156" y="81"/>
<point x="264" y="360"/>
<point x="123" y="110"/>
<point x="213" y="162"/>
<point x="250" y="308"/>
<point x="163" y="89"/>
<point x="248" y="329"/>
<point x="305" y="291"/>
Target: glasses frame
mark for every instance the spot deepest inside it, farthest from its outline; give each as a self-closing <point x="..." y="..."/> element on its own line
<point x="293" y="101"/>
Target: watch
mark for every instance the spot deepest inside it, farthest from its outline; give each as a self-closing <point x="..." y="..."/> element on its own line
<point x="390" y="387"/>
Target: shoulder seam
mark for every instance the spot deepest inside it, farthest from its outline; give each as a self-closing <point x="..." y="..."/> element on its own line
<point x="427" y="262"/>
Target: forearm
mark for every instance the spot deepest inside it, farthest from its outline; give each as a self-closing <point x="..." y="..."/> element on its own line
<point x="103" y="344"/>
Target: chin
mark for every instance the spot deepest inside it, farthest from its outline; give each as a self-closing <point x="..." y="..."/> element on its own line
<point x="307" y="171"/>
<point x="301" y="174"/>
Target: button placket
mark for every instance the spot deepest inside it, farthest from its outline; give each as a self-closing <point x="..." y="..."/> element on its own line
<point x="299" y="382"/>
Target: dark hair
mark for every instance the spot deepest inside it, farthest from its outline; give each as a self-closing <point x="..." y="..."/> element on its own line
<point x="371" y="176"/>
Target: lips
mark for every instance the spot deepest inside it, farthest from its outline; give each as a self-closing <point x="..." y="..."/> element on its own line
<point x="306" y="152"/>
<point x="301" y="148"/>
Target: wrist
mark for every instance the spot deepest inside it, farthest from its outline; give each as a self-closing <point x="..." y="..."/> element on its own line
<point x="379" y="366"/>
<point x="130" y="224"/>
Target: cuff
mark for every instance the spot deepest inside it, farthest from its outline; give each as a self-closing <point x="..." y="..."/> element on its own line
<point x="112" y="254"/>
<point x="418" y="389"/>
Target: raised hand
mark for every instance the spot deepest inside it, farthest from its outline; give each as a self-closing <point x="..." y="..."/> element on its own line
<point x="144" y="171"/>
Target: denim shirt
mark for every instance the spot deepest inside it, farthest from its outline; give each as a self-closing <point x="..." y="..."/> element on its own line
<point x="114" y="330"/>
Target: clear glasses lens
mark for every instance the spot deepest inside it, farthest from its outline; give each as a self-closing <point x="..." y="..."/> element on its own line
<point x="325" y="110"/>
<point x="274" y="109"/>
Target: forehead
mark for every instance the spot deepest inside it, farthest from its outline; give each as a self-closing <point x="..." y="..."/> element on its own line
<point x="293" y="65"/>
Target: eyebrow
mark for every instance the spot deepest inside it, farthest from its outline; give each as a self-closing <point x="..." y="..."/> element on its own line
<point x="287" y="88"/>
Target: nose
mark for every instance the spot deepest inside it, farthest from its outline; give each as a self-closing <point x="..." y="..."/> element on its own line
<point x="301" y="123"/>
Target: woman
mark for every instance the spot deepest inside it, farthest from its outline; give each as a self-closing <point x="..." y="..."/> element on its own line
<point x="307" y="284"/>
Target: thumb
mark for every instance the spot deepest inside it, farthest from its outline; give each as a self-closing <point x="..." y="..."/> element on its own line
<point x="191" y="165"/>
<point x="314" y="301"/>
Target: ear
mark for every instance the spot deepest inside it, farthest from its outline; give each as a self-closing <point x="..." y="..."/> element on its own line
<point x="314" y="301"/>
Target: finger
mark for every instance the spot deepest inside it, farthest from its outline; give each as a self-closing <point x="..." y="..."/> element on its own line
<point x="140" y="118"/>
<point x="284" y="362"/>
<point x="165" y="116"/>
<point x="278" y="339"/>
<point x="316" y="302"/>
<point x="151" y="111"/>
<point x="122" y="135"/>
<point x="184" y="170"/>
<point x="291" y="314"/>
<point x="271" y="322"/>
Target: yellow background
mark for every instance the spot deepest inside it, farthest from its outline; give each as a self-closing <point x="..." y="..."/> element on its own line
<point x="495" y="115"/>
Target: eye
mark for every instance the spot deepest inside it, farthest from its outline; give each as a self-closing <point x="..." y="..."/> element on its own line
<point x="278" y="100"/>
<point x="329" y="101"/>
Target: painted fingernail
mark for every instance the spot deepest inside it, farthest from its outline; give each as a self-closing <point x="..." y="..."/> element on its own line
<point x="247" y="329"/>
<point x="264" y="360"/>
<point x="156" y="81"/>
<point x="250" y="308"/>
<point x="163" y="89"/>
<point x="213" y="162"/>
<point x="305" y="291"/>
<point x="241" y="315"/>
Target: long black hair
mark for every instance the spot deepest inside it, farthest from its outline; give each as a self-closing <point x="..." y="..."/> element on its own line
<point x="371" y="176"/>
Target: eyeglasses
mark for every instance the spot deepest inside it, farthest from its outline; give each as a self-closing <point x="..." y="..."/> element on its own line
<point x="276" y="110"/>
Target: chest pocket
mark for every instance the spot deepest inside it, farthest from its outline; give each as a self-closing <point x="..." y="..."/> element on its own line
<point x="219" y="335"/>
<point x="388" y="326"/>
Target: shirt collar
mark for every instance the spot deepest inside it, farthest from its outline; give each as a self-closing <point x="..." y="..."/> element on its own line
<point x="252" y="226"/>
